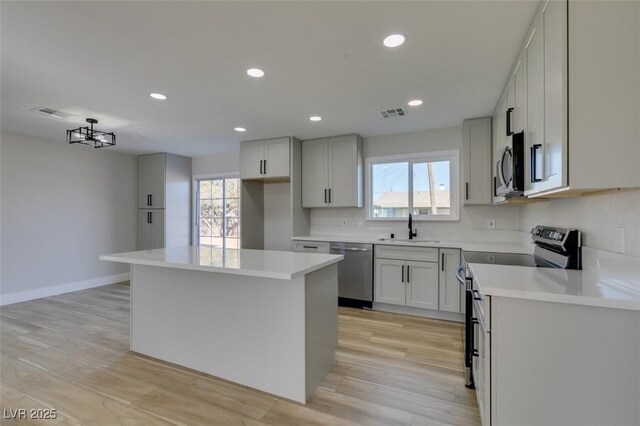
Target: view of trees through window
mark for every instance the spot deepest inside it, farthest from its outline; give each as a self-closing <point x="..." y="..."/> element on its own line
<point x="419" y="187"/>
<point x="219" y="212"/>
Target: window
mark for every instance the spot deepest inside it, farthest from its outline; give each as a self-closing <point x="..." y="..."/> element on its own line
<point x="218" y="212"/>
<point x="426" y="185"/>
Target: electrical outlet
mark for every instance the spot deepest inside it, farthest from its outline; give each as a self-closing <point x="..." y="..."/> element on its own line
<point x="620" y="243"/>
<point x="344" y="222"/>
<point x="491" y="224"/>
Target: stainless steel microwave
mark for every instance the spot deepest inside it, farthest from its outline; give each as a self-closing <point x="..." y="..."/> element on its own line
<point x="509" y="179"/>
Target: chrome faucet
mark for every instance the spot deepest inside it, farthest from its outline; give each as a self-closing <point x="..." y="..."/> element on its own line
<point x="412" y="232"/>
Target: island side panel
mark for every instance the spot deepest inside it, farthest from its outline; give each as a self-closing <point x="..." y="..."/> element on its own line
<point x="321" y="324"/>
<point x="563" y="364"/>
<point x="243" y="329"/>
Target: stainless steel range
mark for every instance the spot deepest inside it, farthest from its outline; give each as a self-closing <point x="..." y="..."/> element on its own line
<point x="554" y="248"/>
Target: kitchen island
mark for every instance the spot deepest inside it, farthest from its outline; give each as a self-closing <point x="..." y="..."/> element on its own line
<point x="263" y="319"/>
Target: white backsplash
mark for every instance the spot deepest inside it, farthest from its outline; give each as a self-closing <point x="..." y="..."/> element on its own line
<point x="471" y="227"/>
<point x="597" y="216"/>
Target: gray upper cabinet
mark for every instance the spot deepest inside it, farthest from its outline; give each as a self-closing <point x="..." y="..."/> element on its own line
<point x="332" y="172"/>
<point x="265" y="159"/>
<point x="476" y="158"/>
<point x="151" y="181"/>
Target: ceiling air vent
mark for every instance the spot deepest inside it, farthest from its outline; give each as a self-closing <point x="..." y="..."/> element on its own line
<point x="51" y="112"/>
<point x="393" y="112"/>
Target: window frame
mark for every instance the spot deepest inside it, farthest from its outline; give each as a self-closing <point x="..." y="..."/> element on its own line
<point x="195" y="233"/>
<point x="453" y="156"/>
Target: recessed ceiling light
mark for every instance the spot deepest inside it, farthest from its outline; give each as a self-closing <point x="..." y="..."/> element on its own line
<point x="255" y="72"/>
<point x="158" y="96"/>
<point x="394" y="40"/>
<point x="415" y="102"/>
<point x="315" y="118"/>
<point x="240" y="129"/>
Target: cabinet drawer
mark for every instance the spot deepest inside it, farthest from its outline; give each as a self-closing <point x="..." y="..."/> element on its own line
<point x="310" y="247"/>
<point x="421" y="254"/>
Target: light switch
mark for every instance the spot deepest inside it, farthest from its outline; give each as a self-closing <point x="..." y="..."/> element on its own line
<point x="620" y="243"/>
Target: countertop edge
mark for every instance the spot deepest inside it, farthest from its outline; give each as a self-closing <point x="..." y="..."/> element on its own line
<point x="243" y="272"/>
<point x="553" y="298"/>
<point x="520" y="248"/>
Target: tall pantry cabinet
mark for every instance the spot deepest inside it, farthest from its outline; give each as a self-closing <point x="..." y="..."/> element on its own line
<point x="164" y="201"/>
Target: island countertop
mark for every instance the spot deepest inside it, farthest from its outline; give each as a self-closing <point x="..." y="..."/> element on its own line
<point x="282" y="265"/>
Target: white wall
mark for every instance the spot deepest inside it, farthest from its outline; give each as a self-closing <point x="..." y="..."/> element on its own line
<point x="596" y="216"/>
<point x="472" y="218"/>
<point x="226" y="162"/>
<point x="62" y="207"/>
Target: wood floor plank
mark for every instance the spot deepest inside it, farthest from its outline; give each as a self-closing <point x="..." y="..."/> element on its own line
<point x="183" y="408"/>
<point x="71" y="352"/>
<point x="357" y="410"/>
<point x="411" y="402"/>
<point x="286" y="413"/>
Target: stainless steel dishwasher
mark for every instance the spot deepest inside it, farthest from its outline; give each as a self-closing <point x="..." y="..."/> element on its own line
<point x="355" y="274"/>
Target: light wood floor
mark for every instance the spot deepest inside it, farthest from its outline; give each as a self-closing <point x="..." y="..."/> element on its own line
<point x="70" y="352"/>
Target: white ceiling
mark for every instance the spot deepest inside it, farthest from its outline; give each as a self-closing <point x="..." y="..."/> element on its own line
<point x="102" y="59"/>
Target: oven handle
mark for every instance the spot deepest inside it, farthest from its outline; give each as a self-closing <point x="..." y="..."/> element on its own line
<point x="461" y="280"/>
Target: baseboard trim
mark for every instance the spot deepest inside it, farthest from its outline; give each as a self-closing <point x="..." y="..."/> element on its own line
<point x="38" y="293"/>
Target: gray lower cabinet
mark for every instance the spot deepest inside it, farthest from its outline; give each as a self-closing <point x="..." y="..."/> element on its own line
<point x="164" y="201"/>
<point x="151" y="229"/>
<point x="450" y="288"/>
<point x="419" y="277"/>
<point x="399" y="280"/>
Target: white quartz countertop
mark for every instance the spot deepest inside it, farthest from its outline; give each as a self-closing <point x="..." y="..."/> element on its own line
<point x="485" y="246"/>
<point x="609" y="289"/>
<point x="282" y="265"/>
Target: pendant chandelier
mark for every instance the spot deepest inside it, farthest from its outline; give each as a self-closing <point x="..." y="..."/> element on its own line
<point x="88" y="136"/>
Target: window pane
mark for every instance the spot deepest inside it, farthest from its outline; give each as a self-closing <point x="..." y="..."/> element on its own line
<point x="217" y="228"/>
<point x="431" y="188"/>
<point x="231" y="188"/>
<point x="232" y="208"/>
<point x="205" y="241"/>
<point x="205" y="189"/>
<point x="232" y="243"/>
<point x="233" y="228"/>
<point x="390" y="183"/>
<point x="206" y="226"/>
<point x="216" y="188"/>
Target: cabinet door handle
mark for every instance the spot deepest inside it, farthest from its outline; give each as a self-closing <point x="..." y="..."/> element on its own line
<point x="509" y="129"/>
<point x="534" y="162"/>
<point x="329" y="195"/>
<point x="148" y="199"/>
<point x="495" y="186"/>
<point x="466" y="190"/>
<point x="149" y="217"/>
<point x="442" y="263"/>
<point x="408" y="273"/>
<point x="402" y="277"/>
<point x="325" y="196"/>
<point x="264" y="167"/>
<point x="261" y="166"/>
<point x="311" y="247"/>
<point x="476" y="295"/>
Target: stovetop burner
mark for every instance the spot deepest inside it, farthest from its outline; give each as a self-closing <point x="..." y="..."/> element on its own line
<point x="511" y="259"/>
